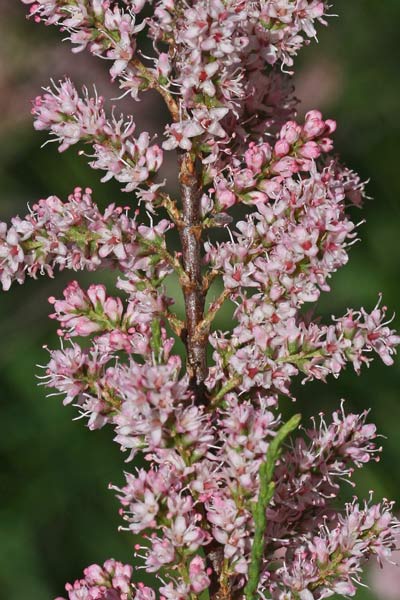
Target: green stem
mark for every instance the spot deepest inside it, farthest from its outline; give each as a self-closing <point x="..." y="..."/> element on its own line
<point x="156" y="341"/>
<point x="267" y="488"/>
<point x="232" y="383"/>
<point x="158" y="249"/>
<point x="299" y="357"/>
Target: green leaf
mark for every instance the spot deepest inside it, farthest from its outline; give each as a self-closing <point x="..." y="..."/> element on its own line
<point x="266" y="492"/>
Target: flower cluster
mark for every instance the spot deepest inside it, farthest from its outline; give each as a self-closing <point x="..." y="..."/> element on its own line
<point x="270" y="346"/>
<point x="221" y="53"/>
<point x="76" y="235"/>
<point x="155" y="496"/>
<point x="307" y="478"/>
<point x="72" y="119"/>
<point x="95" y="380"/>
<point x="83" y="313"/>
<point x="99" y="25"/>
<point x="291" y="245"/>
<point x="193" y="461"/>
<point x="219" y="58"/>
<point x="226" y="481"/>
<point x="330" y="562"/>
<point x="112" y="581"/>
<point x="229" y="501"/>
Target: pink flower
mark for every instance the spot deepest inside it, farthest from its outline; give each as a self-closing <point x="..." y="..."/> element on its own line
<point x="72" y="119"/>
<point x="199" y="579"/>
<point x="112" y="581"/>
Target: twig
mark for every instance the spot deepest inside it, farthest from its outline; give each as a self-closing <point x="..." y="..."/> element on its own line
<point x="170" y="206"/>
<point x="154" y="84"/>
<point x="230" y="385"/>
<point x="203" y="327"/>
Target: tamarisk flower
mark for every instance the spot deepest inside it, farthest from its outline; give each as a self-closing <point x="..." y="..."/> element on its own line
<point x="307" y="477"/>
<point x="290" y="258"/>
<point x="332" y="561"/>
<point x="76" y="235"/>
<point x="155" y="496"/>
<point x="216" y="43"/>
<point x="147" y="404"/>
<point x="100" y="25"/>
<point x="259" y="177"/>
<point x="150" y="395"/>
<point x="220" y="47"/>
<point x="85" y="313"/>
<point x="112" y="581"/>
<point x="269" y="347"/>
<point x="284" y="24"/>
<point x="295" y="239"/>
<point x="129" y="328"/>
<point x="223" y="49"/>
<point x="105" y="391"/>
<point x="383" y="578"/>
<point x="71" y="119"/>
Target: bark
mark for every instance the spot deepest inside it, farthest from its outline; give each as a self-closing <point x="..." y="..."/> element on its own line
<point x="190" y="231"/>
<point x="190" y="234"/>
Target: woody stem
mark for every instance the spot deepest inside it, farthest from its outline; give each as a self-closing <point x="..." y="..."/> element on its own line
<point x="192" y="286"/>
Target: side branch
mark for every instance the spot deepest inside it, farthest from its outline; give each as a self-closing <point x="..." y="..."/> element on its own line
<point x="203" y="327"/>
<point x="154" y="84"/>
<point x="228" y="387"/>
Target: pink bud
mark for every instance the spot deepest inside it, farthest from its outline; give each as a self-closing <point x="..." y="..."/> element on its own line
<point x="281" y="148"/>
<point x="199" y="579"/>
<point x="113" y="309"/>
<point x="290" y="132"/>
<point x="286" y="166"/>
<point x="272" y="187"/>
<point x="226" y="198"/>
<point x="97" y="294"/>
<point x="310" y="150"/>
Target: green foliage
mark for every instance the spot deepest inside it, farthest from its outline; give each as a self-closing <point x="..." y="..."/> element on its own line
<point x="259" y="509"/>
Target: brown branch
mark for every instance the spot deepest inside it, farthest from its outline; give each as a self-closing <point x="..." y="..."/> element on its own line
<point x="209" y="278"/>
<point x="190" y="231"/>
<point x="203" y="328"/>
<point x="170" y="206"/>
<point x="197" y="325"/>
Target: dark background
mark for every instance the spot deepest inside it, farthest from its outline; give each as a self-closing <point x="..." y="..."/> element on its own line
<point x="56" y="514"/>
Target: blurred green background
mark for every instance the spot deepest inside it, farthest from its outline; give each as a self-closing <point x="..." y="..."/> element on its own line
<point x="56" y="514"/>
